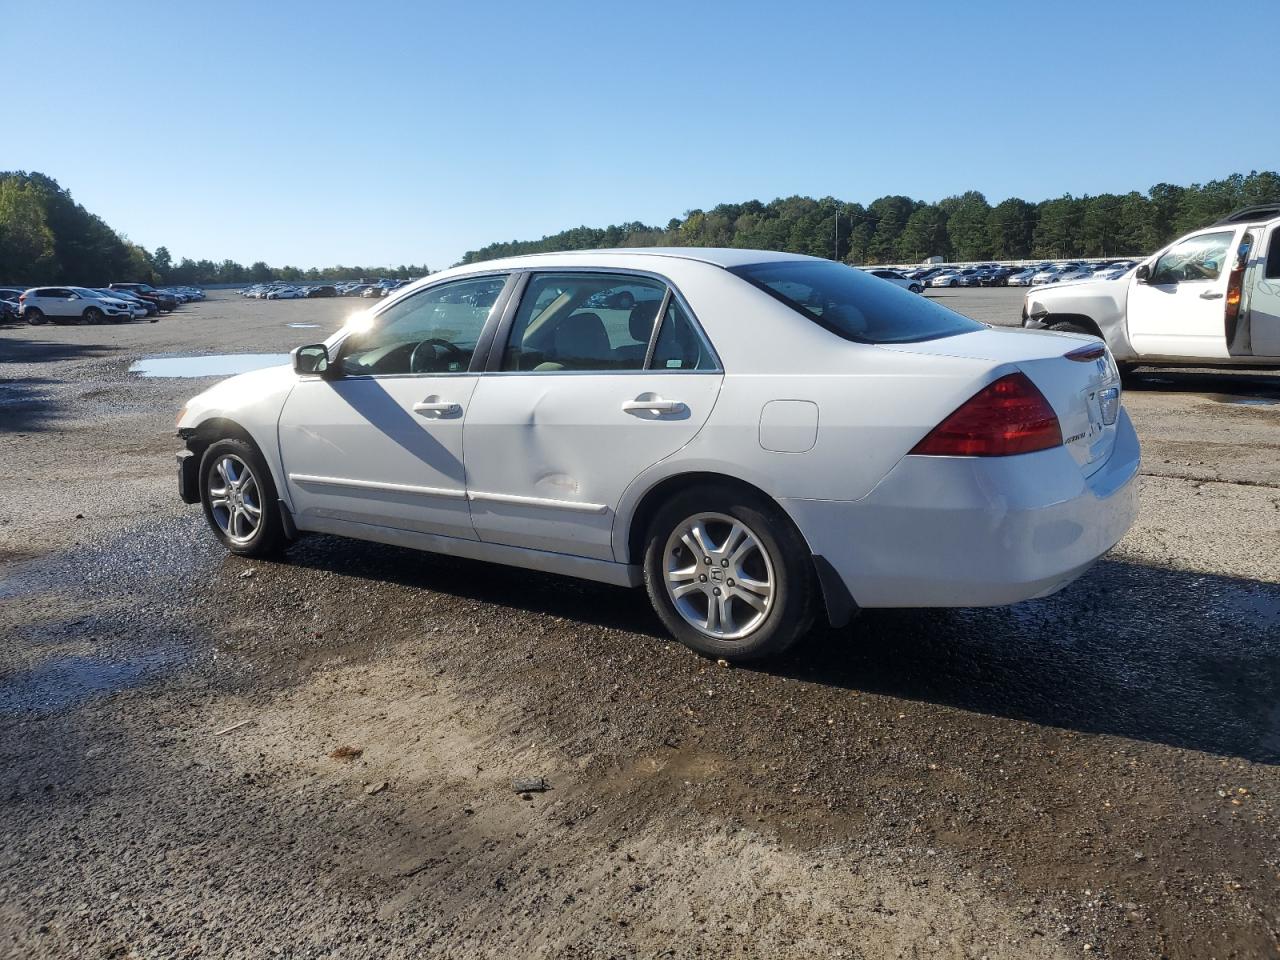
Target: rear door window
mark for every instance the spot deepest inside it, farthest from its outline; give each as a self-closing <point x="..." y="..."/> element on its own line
<point x="852" y="304"/>
<point x="583" y="321"/>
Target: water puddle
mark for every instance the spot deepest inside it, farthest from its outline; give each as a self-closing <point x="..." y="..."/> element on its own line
<point x="216" y="365"/>
<point x="304" y="326"/>
<point x="63" y="682"/>
<point x="1253" y="401"/>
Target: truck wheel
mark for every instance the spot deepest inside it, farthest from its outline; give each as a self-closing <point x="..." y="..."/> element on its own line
<point x="728" y="574"/>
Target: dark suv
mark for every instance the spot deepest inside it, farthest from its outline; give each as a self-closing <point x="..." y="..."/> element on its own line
<point x="163" y="301"/>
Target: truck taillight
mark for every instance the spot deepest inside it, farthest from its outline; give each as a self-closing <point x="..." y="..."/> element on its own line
<point x="1006" y="417"/>
<point x="1235" y="284"/>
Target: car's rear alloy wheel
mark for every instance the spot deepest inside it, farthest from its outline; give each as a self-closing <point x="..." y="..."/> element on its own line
<point x="729" y="574"/>
<point x="239" y="499"/>
<point x="718" y="575"/>
<point x="33" y="316"/>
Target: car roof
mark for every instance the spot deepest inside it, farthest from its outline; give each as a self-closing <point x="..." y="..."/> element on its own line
<point x="1259" y="213"/>
<point x="719" y="256"/>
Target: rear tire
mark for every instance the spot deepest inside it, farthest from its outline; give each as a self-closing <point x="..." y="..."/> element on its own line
<point x="743" y="588"/>
<point x="234" y="483"/>
<point x="33" y="317"/>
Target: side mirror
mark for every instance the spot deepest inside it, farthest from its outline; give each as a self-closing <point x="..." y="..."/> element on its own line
<point x="311" y="360"/>
<point x="1144" y="273"/>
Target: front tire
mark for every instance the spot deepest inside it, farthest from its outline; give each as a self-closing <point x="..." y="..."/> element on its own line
<point x="916" y="288"/>
<point x="94" y="316"/>
<point x="728" y="574"/>
<point x="239" y="499"/>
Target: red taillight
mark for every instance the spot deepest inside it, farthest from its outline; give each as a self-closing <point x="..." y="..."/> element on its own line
<point x="1006" y="417"/>
<point x="21" y="297"/>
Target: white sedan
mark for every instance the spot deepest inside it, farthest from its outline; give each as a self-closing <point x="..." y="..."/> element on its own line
<point x="758" y="438"/>
<point x="897" y="278"/>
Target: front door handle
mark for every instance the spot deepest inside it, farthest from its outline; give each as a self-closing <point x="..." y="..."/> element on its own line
<point x="651" y="402"/>
<point x="434" y="406"/>
<point x="1211" y="295"/>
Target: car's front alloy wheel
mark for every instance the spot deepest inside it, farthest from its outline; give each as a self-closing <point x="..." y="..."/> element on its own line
<point x="728" y="574"/>
<point x="239" y="499"/>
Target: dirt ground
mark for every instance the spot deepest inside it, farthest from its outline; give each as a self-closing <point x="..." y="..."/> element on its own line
<point x="203" y="756"/>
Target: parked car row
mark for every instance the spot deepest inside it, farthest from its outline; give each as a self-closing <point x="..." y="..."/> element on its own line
<point x="1003" y="275"/>
<point x="295" y="291"/>
<point x="116" y="303"/>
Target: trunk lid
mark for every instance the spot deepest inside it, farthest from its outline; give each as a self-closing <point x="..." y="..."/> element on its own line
<point x="1076" y="374"/>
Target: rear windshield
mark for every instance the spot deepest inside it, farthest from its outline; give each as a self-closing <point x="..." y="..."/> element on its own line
<point x="854" y="305"/>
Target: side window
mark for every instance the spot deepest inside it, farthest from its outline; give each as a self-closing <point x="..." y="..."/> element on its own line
<point x="1273" y="256"/>
<point x="1196" y="258"/>
<point x="679" y="346"/>
<point x="434" y="331"/>
<point x="583" y="321"/>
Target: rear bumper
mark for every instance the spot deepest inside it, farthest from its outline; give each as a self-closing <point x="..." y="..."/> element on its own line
<point x="975" y="532"/>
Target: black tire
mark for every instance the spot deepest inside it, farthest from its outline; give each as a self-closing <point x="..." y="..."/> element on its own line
<point x="33" y="316"/>
<point x="916" y="288"/>
<point x="94" y="316"/>
<point x="268" y="537"/>
<point x="793" y="599"/>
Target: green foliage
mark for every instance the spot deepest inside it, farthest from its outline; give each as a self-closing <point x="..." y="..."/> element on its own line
<point x="46" y="237"/>
<point x="898" y="229"/>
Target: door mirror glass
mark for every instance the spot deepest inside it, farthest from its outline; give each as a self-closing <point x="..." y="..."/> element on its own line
<point x="1144" y="273"/>
<point x="311" y="360"/>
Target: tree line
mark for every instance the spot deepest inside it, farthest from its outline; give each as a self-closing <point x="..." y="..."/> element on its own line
<point x="46" y="237"/>
<point x="898" y="229"/>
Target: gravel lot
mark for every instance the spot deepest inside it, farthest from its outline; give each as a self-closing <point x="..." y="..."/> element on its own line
<point x="202" y="756"/>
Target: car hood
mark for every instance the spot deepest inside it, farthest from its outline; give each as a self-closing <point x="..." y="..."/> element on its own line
<point x="1089" y="285"/>
<point x="245" y="387"/>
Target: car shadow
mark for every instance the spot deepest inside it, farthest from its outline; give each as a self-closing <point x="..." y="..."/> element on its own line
<point x="27" y="404"/>
<point x="1228" y="386"/>
<point x="1186" y="659"/>
<point x="50" y="351"/>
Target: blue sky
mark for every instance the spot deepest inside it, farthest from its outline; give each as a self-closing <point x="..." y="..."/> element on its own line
<point x="386" y="133"/>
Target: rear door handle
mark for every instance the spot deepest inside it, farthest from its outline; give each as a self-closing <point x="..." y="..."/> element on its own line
<point x="437" y="407"/>
<point x="656" y="404"/>
<point x="1210" y="295"/>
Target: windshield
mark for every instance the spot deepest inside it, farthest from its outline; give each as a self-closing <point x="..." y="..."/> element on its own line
<point x="852" y="304"/>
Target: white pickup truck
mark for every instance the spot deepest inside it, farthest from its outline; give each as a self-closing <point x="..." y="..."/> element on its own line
<point x="1211" y="298"/>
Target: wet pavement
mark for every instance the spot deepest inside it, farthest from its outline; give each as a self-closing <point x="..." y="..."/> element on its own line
<point x="1098" y="768"/>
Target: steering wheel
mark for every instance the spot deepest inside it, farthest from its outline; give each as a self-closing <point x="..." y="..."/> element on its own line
<point x="419" y="355"/>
